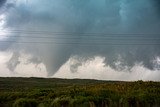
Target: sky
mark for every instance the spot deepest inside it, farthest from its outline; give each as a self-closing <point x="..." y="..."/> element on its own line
<point x="95" y="39"/>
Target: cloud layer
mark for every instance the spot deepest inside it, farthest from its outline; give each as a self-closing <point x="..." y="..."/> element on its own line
<point x="95" y="68"/>
<point x="88" y="23"/>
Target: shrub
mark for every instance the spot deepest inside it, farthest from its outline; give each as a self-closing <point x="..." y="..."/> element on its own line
<point x="25" y="103"/>
<point x="58" y="102"/>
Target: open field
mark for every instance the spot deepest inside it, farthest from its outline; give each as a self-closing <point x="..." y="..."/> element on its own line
<point x="51" y="92"/>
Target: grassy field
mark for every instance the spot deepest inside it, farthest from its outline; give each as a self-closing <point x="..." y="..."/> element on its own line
<point x="52" y="92"/>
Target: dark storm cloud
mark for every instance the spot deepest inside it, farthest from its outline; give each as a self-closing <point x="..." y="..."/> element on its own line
<point x="5" y="6"/>
<point x="2" y="2"/>
<point x="157" y="4"/>
<point x="83" y="16"/>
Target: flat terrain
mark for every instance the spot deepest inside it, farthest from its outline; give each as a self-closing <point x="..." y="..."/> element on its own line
<point x="52" y="92"/>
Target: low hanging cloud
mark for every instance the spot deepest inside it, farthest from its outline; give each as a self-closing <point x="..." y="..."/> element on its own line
<point x="95" y="68"/>
<point x="82" y="28"/>
<point x="24" y="68"/>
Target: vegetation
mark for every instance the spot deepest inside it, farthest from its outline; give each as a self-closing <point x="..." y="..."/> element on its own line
<point x="40" y="92"/>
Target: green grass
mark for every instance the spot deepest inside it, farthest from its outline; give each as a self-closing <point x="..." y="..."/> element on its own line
<point x="52" y="92"/>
